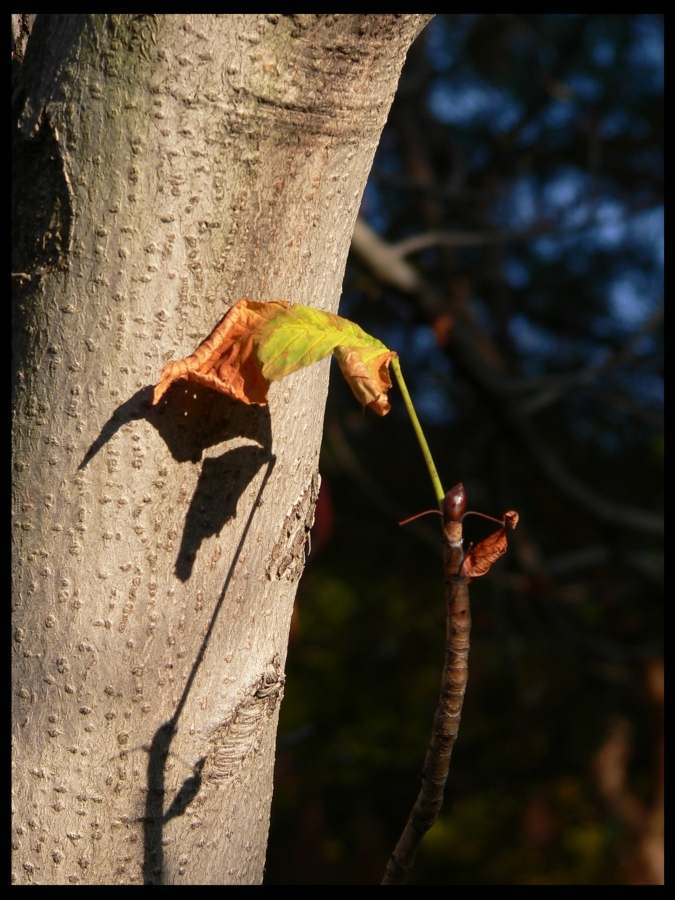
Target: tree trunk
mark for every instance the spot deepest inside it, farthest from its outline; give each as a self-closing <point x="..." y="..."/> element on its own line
<point x="164" y="167"/>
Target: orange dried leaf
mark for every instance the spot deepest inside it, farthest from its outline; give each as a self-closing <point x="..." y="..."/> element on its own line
<point x="226" y="360"/>
<point x="256" y="343"/>
<point x="480" y="558"/>
<point x="368" y="379"/>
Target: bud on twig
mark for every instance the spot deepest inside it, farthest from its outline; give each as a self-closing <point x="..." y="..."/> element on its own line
<point x="454" y="503"/>
<point x="454" y="506"/>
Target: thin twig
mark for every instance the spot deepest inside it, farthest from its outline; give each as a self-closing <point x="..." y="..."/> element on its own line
<point x="448" y="711"/>
<point x="419" y="433"/>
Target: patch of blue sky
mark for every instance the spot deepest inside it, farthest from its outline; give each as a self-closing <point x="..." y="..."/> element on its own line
<point x="417" y="343"/>
<point x="607" y="225"/>
<point x="543" y="351"/>
<point x="618" y="121"/>
<point x="373" y="209"/>
<point x="516" y="273"/>
<point x="388" y="160"/>
<point x="432" y="363"/>
<point x="395" y="335"/>
<point x="562" y="196"/>
<point x="646" y="53"/>
<point x="433" y="400"/>
<point x="423" y="341"/>
<point x="566" y="187"/>
<point x="547" y="248"/>
<point x="603" y="52"/>
<point x="473" y="102"/>
<point x="529" y="133"/>
<point x="577" y="216"/>
<point x="442" y="41"/>
<point x="585" y="87"/>
<point x="646" y="228"/>
<point x="518" y="205"/>
<point x="630" y="299"/>
<point x="531" y="340"/>
<point x="426" y="368"/>
<point x="558" y="114"/>
<point x="603" y="224"/>
<point x="611" y="226"/>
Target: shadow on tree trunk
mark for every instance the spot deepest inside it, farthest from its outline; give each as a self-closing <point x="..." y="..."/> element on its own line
<point x="155" y="818"/>
<point x="191" y="420"/>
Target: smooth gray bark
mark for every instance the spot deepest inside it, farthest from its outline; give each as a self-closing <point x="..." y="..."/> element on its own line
<point x="164" y="167"/>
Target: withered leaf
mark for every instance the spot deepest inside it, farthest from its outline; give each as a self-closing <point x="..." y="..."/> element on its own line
<point x="226" y="359"/>
<point x="368" y="377"/>
<point x="480" y="558"/>
<point x="256" y="343"/>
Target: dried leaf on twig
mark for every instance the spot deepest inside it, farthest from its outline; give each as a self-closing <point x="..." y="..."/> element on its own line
<point x="480" y="558"/>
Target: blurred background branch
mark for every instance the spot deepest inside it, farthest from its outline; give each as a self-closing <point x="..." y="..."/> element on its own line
<point x="387" y="265"/>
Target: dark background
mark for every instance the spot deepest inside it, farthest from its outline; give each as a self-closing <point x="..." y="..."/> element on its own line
<point x="518" y="188"/>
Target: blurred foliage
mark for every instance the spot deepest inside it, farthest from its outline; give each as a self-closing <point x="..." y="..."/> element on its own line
<point x="539" y="139"/>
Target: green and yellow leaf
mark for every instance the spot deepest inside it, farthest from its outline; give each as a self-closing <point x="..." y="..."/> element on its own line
<point x="299" y="336"/>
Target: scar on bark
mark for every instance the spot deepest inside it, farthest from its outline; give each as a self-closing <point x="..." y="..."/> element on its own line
<point x="289" y="554"/>
<point x="236" y="740"/>
<point x="231" y="746"/>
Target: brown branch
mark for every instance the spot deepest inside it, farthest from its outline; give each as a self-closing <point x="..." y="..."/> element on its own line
<point x="383" y="260"/>
<point x="456" y="239"/>
<point x="449" y="708"/>
<point x="428" y="239"/>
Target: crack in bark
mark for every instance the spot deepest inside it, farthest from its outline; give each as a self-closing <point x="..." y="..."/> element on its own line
<point x="288" y="556"/>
